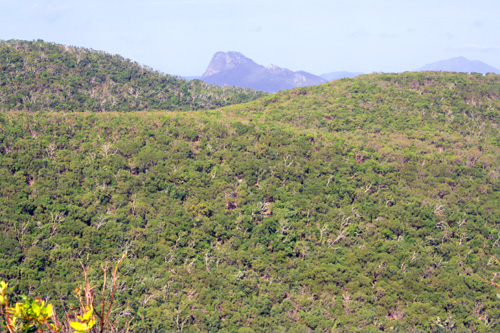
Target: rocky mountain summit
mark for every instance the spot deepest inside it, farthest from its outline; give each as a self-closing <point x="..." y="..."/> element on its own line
<point x="234" y="69"/>
<point x="224" y="61"/>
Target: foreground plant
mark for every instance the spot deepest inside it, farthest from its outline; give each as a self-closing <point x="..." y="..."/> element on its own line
<point x="86" y="321"/>
<point x="28" y="315"/>
<point x="34" y="315"/>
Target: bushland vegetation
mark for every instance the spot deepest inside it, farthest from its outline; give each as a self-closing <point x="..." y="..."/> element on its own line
<point x="40" y="76"/>
<point x="363" y="204"/>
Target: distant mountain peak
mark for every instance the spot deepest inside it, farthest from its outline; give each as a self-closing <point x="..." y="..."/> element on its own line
<point x="234" y="69"/>
<point x="460" y="64"/>
<point x="223" y="61"/>
<point x="275" y="69"/>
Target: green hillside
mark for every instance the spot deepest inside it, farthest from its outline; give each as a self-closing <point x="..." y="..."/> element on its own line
<point x="364" y="204"/>
<point x="41" y="76"/>
<point x="450" y="102"/>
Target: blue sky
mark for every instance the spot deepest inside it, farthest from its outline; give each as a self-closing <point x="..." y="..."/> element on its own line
<point x="319" y="36"/>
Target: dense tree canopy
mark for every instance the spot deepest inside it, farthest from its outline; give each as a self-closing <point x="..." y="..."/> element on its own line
<point x="41" y="76"/>
<point x="363" y="204"/>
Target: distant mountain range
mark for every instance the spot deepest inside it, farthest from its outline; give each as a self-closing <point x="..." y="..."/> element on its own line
<point x="460" y="64"/>
<point x="234" y="69"/>
<point x="339" y="75"/>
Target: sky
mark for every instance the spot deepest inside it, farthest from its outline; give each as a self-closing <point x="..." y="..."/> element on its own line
<point x="180" y="37"/>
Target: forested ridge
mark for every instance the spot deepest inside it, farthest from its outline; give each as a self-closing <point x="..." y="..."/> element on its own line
<point x="42" y="76"/>
<point x="363" y="204"/>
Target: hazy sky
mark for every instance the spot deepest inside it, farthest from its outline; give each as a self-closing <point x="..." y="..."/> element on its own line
<point x="319" y="36"/>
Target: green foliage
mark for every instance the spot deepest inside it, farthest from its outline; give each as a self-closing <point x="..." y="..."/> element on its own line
<point x="27" y="315"/>
<point x="33" y="315"/>
<point x="40" y="76"/>
<point x="309" y="209"/>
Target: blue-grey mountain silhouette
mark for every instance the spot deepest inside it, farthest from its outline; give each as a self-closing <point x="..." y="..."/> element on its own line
<point x="460" y="64"/>
<point x="339" y="75"/>
<point x="234" y="69"/>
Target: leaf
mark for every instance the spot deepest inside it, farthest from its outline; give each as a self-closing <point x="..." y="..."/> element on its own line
<point x="36" y="308"/>
<point x="87" y="315"/>
<point x="78" y="326"/>
<point x="3" y="287"/>
<point x="18" y="309"/>
<point x="91" y="323"/>
<point x="47" y="311"/>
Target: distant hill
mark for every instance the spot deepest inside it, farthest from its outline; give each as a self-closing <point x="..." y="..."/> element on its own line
<point x="339" y="75"/>
<point x="189" y="78"/>
<point x="234" y="69"/>
<point x="460" y="64"/>
<point x="38" y="76"/>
